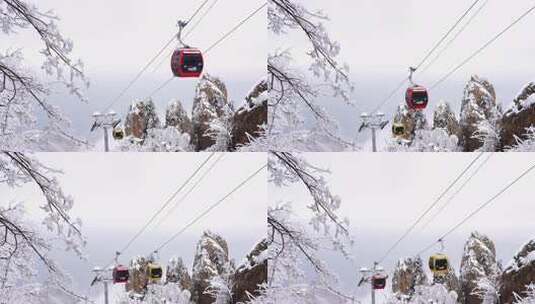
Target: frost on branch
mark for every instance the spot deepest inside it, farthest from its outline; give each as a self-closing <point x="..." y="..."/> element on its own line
<point x="293" y="245"/>
<point x="293" y="93"/>
<point x="23" y="96"/>
<point x="25" y="248"/>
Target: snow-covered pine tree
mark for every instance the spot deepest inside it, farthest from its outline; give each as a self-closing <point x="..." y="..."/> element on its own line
<point x="294" y="246"/>
<point x="294" y="93"/>
<point x="24" y="247"/>
<point x="23" y="95"/>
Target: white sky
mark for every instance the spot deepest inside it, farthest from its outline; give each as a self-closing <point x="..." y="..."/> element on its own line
<point x="115" y="194"/>
<point x="382" y="194"/>
<point x="115" y="39"/>
<point x="380" y="39"/>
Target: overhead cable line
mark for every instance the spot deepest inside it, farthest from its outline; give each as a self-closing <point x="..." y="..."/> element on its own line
<point x="476" y="211"/>
<point x="191" y="29"/>
<point x="150" y="62"/>
<point x="429" y="53"/>
<point x="185" y="195"/>
<point x="431" y="206"/>
<point x="166" y="203"/>
<point x="215" y="44"/>
<point x="459" y="32"/>
<point x="450" y="199"/>
<point x="481" y="49"/>
<point x="213" y="206"/>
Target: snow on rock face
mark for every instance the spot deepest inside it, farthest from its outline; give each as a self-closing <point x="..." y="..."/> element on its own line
<point x="209" y="104"/>
<point x="211" y="260"/>
<point x="444" y="118"/>
<point x="137" y="283"/>
<point x="453" y="284"/>
<point x="250" y="274"/>
<point x="176" y="116"/>
<point x="478" y="105"/>
<point x="249" y="119"/>
<point x="141" y="117"/>
<point x="519" y="117"/>
<point x="408" y="274"/>
<point x="177" y="273"/>
<point x="411" y="120"/>
<point x="478" y="263"/>
<point x="518" y="274"/>
<point x="434" y="294"/>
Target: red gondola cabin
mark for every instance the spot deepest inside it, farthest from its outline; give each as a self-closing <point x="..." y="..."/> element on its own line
<point x="379" y="281"/>
<point x="120" y="274"/>
<point x="417" y="97"/>
<point x="187" y="63"/>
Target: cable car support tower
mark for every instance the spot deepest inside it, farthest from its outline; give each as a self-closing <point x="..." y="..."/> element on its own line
<point x="105" y="121"/>
<point x="373" y="122"/>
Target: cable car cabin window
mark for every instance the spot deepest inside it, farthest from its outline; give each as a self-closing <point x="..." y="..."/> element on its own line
<point x="441" y="264"/>
<point x="156" y="273"/>
<point x="399" y="130"/>
<point x="192" y="63"/>
<point x="419" y="97"/>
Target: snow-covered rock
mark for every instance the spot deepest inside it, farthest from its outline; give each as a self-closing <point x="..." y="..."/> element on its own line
<point x="411" y="120"/>
<point x="519" y="117"/>
<point x="408" y="274"/>
<point x="176" y="116"/>
<point x="211" y="260"/>
<point x="141" y="117"/>
<point x="478" y="105"/>
<point x="248" y="120"/>
<point x="518" y="274"/>
<point x="434" y="294"/>
<point x="138" y="280"/>
<point x="444" y="118"/>
<point x="177" y="273"/>
<point x="477" y="264"/>
<point x="250" y="274"/>
<point x="210" y="103"/>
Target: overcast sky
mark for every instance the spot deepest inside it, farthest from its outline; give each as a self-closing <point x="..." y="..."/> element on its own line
<point x="382" y="194"/>
<point x="380" y="39"/>
<point x="115" y="39"/>
<point x="115" y="194"/>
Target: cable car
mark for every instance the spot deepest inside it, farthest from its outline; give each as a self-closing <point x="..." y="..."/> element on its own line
<point x="379" y="281"/>
<point x="417" y="97"/>
<point x="187" y="62"/>
<point x="154" y="272"/>
<point x="398" y="129"/>
<point x="120" y="274"/>
<point x="439" y="264"/>
<point x="118" y="133"/>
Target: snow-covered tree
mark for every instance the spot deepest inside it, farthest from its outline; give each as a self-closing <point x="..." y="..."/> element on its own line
<point x="24" y="95"/>
<point x="294" y="93"/>
<point x="295" y="246"/>
<point x="424" y="294"/>
<point x="528" y="298"/>
<point x="25" y="247"/>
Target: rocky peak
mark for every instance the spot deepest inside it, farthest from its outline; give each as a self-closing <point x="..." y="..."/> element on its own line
<point x="177" y="273"/>
<point x="411" y="121"/>
<point x="478" y="105"/>
<point x="452" y="283"/>
<point x="519" y="117"/>
<point x="141" y="117"/>
<point x="211" y="102"/>
<point x="248" y="121"/>
<point x="408" y="274"/>
<point x="176" y="116"/>
<point x="250" y="274"/>
<point x="138" y="280"/>
<point x="211" y="260"/>
<point x="444" y="118"/>
<point x="518" y="274"/>
<point x="478" y="263"/>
